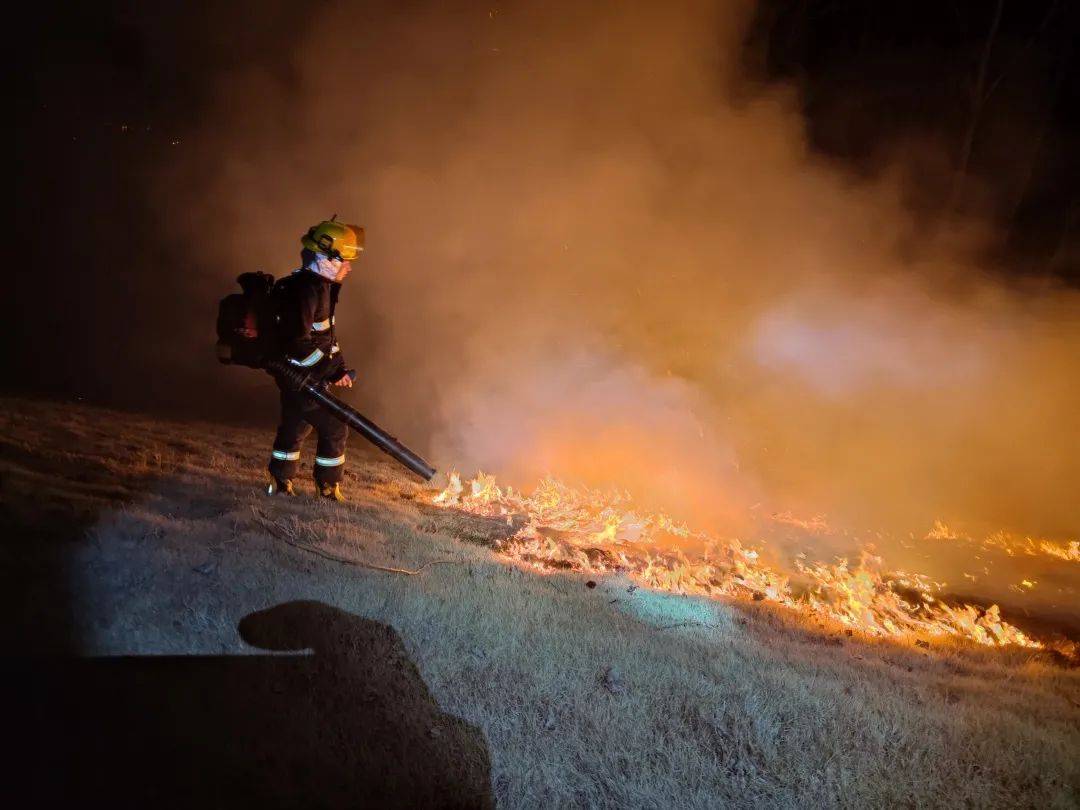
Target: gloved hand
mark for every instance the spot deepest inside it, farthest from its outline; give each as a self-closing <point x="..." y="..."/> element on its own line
<point x="346" y="380"/>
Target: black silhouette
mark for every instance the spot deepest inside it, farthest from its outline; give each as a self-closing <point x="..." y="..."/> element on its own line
<point x="351" y="724"/>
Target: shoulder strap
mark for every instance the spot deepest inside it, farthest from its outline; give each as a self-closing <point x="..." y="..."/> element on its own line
<point x="335" y="290"/>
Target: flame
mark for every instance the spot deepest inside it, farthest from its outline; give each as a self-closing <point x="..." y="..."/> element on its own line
<point x="1070" y="552"/>
<point x="814" y="525"/>
<point x="596" y="532"/>
<point x="1010" y="544"/>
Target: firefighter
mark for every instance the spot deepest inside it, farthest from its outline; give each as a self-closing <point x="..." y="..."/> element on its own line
<point x="305" y="302"/>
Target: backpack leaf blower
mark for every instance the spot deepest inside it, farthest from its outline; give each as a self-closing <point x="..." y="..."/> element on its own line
<point x="245" y="329"/>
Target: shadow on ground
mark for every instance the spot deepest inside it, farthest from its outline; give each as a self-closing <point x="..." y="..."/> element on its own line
<point x="351" y="724"/>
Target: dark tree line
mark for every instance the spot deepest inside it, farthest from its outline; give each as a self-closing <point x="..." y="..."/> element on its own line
<point x="977" y="98"/>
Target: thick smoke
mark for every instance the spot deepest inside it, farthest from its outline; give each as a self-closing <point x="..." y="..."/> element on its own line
<point x="596" y="250"/>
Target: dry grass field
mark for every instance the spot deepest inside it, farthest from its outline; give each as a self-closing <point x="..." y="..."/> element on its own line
<point x="127" y="538"/>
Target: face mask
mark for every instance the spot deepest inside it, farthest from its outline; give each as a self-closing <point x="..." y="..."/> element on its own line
<point x="325" y="266"/>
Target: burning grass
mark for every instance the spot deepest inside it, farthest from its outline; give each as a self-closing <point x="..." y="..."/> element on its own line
<point x="561" y="527"/>
<point x="1010" y="544"/>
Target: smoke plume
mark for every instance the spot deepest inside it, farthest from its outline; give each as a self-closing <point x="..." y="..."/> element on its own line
<point x="596" y="249"/>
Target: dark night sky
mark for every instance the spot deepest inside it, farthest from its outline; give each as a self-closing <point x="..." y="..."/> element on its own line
<point x="110" y="91"/>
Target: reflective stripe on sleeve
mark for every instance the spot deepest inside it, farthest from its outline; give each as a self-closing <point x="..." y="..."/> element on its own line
<point x="329" y="462"/>
<point x="287" y="455"/>
<point x="320" y="326"/>
<point x="310" y="360"/>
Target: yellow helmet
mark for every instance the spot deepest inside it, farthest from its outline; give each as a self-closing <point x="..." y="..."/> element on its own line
<point x="335" y="239"/>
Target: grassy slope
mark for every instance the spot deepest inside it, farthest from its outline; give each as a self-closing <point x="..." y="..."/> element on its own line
<point x="135" y="536"/>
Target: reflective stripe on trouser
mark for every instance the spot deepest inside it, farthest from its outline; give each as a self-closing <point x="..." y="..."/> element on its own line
<point x="299" y="415"/>
<point x="285" y="463"/>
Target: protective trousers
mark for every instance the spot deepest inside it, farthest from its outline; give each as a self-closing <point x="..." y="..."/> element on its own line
<point x="299" y="414"/>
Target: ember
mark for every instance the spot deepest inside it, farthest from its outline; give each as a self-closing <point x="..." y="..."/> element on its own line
<point x="597" y="532"/>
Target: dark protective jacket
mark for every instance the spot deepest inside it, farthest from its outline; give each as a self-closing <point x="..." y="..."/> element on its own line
<point x="305" y="324"/>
